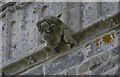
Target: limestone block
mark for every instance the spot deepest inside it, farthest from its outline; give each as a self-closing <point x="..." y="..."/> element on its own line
<point x="112" y="71"/>
<point x="0" y="43"/>
<point x="4" y="39"/>
<point x="24" y="30"/>
<point x="106" y="66"/>
<point x="89" y="49"/>
<point x="71" y="71"/>
<point x="6" y="28"/>
<point x="64" y="62"/>
<point x="89" y="13"/>
<point x="74" y="16"/>
<point x="92" y="63"/>
<point x="115" y="51"/>
<point x="16" y="41"/>
<point x="55" y="8"/>
<point x="30" y="24"/>
<point x="56" y="65"/>
<point x="118" y="35"/>
<point x="109" y="8"/>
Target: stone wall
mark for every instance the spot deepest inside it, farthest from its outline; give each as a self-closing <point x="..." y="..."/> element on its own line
<point x="88" y="59"/>
<point x="95" y="26"/>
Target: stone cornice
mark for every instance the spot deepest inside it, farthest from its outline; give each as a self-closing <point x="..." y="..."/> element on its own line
<point x="99" y="27"/>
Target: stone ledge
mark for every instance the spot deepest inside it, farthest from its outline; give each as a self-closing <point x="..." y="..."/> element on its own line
<point x="41" y="56"/>
<point x="98" y="27"/>
<point x="62" y="63"/>
<point x="12" y="60"/>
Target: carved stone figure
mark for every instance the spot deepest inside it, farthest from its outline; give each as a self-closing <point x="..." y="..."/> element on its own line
<point x="57" y="35"/>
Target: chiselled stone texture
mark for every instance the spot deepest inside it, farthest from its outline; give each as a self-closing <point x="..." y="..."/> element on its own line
<point x="96" y="28"/>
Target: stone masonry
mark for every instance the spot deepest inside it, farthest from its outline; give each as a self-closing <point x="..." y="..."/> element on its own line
<point x="95" y="26"/>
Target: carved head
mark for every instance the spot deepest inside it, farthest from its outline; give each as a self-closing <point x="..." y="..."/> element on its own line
<point x="43" y="26"/>
<point x="47" y="22"/>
